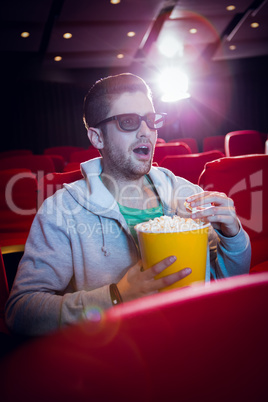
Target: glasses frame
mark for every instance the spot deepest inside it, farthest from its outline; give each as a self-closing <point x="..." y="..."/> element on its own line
<point x="140" y="118"/>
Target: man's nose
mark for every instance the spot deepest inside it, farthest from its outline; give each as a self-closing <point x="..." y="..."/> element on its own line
<point x="144" y="130"/>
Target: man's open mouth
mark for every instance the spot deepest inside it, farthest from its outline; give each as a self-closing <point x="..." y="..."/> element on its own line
<point x="142" y="150"/>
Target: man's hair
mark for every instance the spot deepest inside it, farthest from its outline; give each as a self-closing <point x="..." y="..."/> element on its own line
<point x="102" y="94"/>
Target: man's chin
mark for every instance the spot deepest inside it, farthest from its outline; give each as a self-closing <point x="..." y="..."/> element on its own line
<point x="137" y="170"/>
<point x="144" y="168"/>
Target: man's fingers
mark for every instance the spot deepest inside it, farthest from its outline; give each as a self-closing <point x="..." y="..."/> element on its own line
<point x="146" y="279"/>
<point x="210" y="197"/>
<point x="214" y="211"/>
<point x="172" y="278"/>
<point x="159" y="267"/>
<point x="156" y="284"/>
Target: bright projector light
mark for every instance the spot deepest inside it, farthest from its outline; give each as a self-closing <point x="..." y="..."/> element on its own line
<point x="174" y="85"/>
<point x="169" y="46"/>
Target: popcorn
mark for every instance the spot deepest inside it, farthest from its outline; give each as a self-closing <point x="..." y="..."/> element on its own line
<point x="188" y="206"/>
<point x="195" y="209"/>
<point x="168" y="224"/>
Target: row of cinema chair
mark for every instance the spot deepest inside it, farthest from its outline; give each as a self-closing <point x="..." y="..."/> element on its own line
<point x="234" y="143"/>
<point x="183" y="163"/>
<point x="242" y="178"/>
<point x="183" y="159"/>
<point x="54" y="159"/>
<point x="52" y="162"/>
<point x="67" y="158"/>
<point x="114" y="341"/>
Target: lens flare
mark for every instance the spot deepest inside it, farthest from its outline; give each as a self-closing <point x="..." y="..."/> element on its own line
<point x="94" y="314"/>
<point x="174" y="85"/>
<point x="169" y="46"/>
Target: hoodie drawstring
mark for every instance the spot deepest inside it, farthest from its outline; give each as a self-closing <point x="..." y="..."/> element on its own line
<point x="103" y="249"/>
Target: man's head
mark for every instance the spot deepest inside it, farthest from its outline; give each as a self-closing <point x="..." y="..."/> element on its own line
<point x="99" y="99"/>
<point x="122" y="124"/>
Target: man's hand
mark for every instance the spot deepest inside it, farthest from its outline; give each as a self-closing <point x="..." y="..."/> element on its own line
<point x="137" y="283"/>
<point x="221" y="214"/>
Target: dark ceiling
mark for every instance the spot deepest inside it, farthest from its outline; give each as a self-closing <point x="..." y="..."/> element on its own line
<point x="99" y="31"/>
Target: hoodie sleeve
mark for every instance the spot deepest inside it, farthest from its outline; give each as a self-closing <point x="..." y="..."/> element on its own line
<point x="39" y="301"/>
<point x="229" y="256"/>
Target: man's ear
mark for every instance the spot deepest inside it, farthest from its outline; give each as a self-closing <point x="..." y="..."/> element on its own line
<point x="95" y="136"/>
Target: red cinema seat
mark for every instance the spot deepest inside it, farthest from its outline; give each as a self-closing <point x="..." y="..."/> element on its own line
<point x="158" y="348"/>
<point x="38" y="164"/>
<point x="65" y="151"/>
<point x="18" y="203"/>
<point x="262" y="267"/>
<point x="215" y="142"/>
<point x="190" y="166"/>
<point x="4" y="293"/>
<point x="166" y="149"/>
<point x="85" y="155"/>
<point x="160" y="140"/>
<point x="71" y="166"/>
<point x="52" y="182"/>
<point x="15" y="152"/>
<point x="245" y="142"/>
<point x="244" y="179"/>
<point x="191" y="142"/>
<point x="58" y="162"/>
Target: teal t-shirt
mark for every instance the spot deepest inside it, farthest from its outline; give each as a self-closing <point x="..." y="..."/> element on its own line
<point x="134" y="216"/>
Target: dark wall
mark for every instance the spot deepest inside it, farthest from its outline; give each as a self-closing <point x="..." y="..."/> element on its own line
<point x="42" y="114"/>
<point x="42" y="110"/>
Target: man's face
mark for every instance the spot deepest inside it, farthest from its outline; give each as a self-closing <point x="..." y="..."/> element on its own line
<point x="128" y="155"/>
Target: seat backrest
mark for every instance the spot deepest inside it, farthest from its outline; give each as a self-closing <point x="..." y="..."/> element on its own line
<point x="64" y="151"/>
<point x="160" y="140"/>
<point x="58" y="161"/>
<point x="244" y="142"/>
<point x="4" y="293"/>
<point x="72" y="166"/>
<point x="15" y="152"/>
<point x="190" y="166"/>
<point x="214" y="142"/>
<point x="191" y="142"/>
<point x="132" y="340"/>
<point x="85" y="155"/>
<point x="165" y="149"/>
<point x="4" y="290"/>
<point x="18" y="206"/>
<point x="50" y="183"/>
<point x="18" y="199"/>
<point x="38" y="164"/>
<point x="244" y="179"/>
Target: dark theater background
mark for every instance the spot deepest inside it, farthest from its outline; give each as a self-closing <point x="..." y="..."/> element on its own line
<point x="224" y="57"/>
<point x="207" y="64"/>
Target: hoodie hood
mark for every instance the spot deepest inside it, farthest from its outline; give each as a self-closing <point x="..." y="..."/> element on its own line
<point x="91" y="193"/>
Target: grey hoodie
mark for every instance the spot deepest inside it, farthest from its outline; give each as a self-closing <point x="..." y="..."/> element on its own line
<point x="79" y="243"/>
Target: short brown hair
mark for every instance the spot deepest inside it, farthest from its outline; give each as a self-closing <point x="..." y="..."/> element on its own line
<point x="97" y="102"/>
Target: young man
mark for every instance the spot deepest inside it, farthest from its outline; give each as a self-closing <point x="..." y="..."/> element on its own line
<point x="82" y="240"/>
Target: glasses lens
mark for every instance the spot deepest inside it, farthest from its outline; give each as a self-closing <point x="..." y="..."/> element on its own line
<point x="129" y="122"/>
<point x="132" y="121"/>
<point x="155" y="120"/>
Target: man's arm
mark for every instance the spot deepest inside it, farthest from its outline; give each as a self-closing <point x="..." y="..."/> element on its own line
<point x="39" y="301"/>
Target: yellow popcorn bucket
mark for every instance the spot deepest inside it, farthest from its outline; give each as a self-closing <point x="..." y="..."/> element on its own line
<point x="190" y="248"/>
